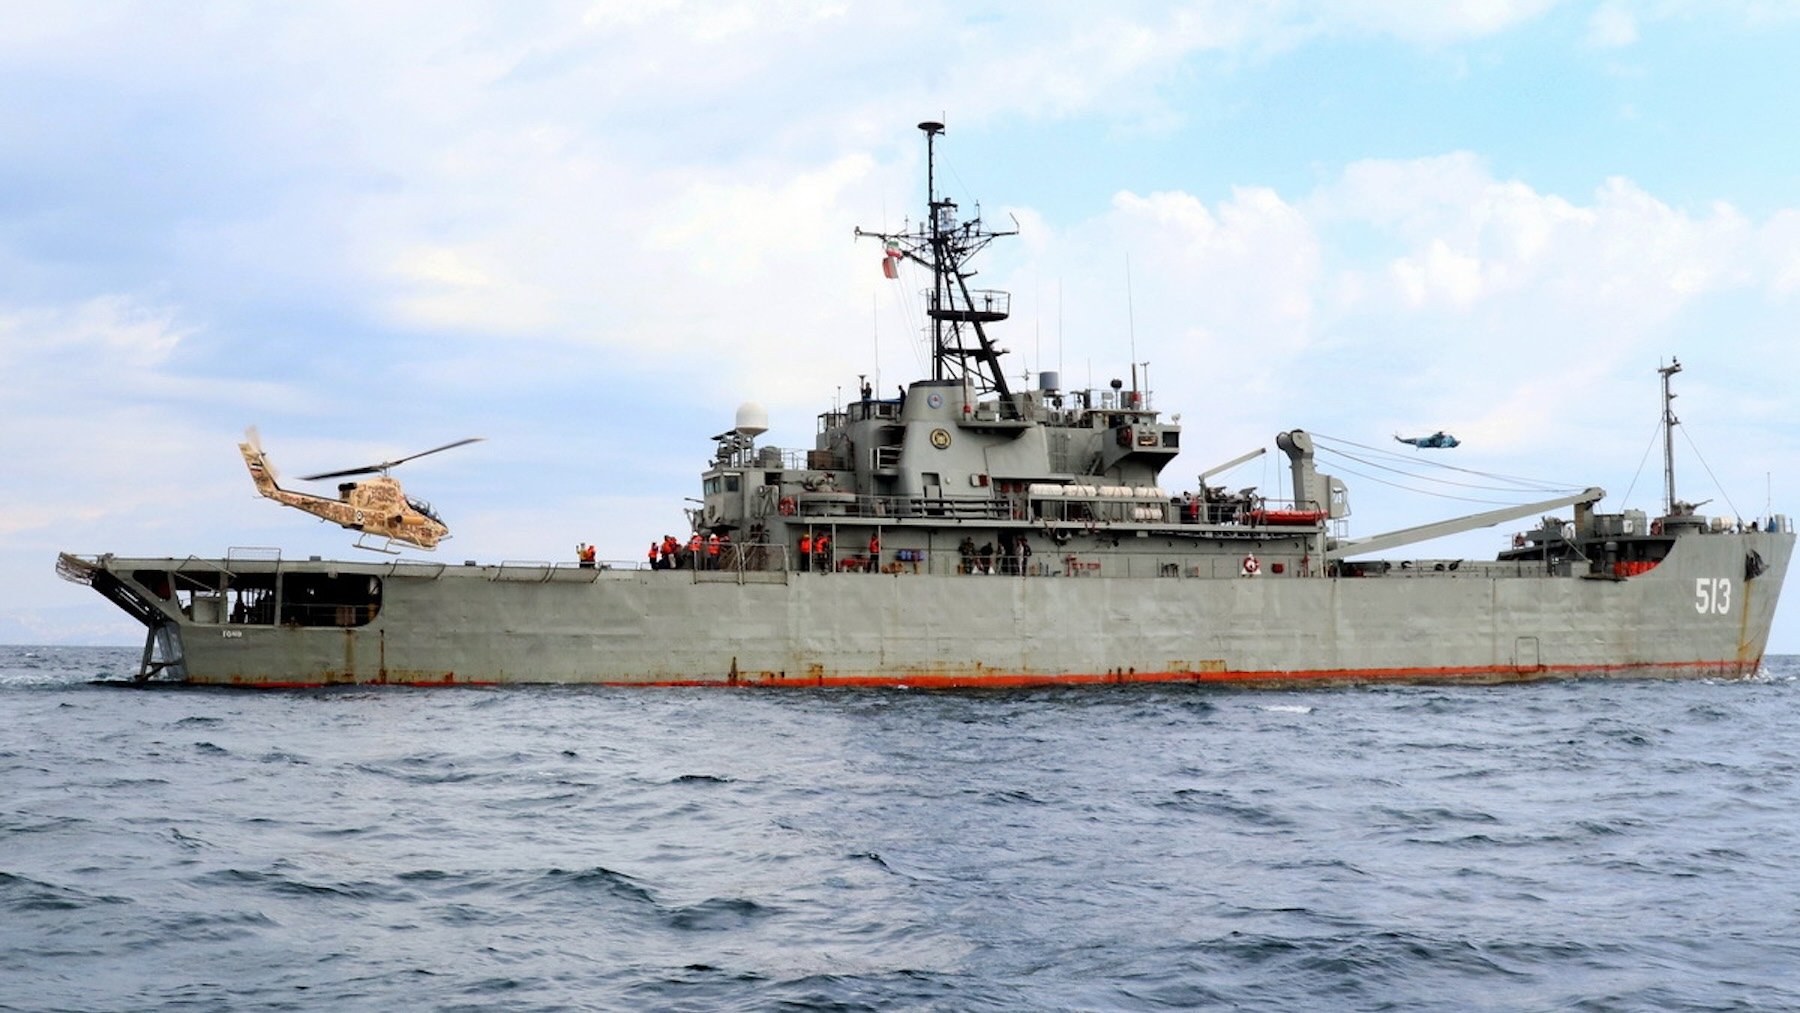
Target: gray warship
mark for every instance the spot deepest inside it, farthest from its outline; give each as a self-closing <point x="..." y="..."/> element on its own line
<point x="967" y="534"/>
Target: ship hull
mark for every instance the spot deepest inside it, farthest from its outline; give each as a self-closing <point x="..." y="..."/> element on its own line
<point x="1697" y="614"/>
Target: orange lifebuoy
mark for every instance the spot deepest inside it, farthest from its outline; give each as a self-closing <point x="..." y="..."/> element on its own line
<point x="786" y="506"/>
<point x="1251" y="567"/>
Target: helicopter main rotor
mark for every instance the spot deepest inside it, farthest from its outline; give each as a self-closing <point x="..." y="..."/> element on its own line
<point x="385" y="465"/>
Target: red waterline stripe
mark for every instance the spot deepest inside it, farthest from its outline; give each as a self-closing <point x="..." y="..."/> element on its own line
<point x="1013" y="681"/>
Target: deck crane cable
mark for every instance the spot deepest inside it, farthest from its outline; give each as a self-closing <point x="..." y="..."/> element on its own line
<point x="1427" y="492"/>
<point x="1512" y="490"/>
<point x="1529" y="484"/>
<point x="1341" y="456"/>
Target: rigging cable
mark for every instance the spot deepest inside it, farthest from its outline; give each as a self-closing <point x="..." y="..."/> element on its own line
<point x="1655" y="435"/>
<point x="1515" y="485"/>
<point x="1530" y="484"/>
<point x="1537" y="488"/>
<point x="1709" y="474"/>
<point x="1439" y="495"/>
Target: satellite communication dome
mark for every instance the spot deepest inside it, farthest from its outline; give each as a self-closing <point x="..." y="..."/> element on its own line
<point x="752" y="419"/>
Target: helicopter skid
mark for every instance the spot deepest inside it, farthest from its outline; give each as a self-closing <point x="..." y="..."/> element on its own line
<point x="385" y="547"/>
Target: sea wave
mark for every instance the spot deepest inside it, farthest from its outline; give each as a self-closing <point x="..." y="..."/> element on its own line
<point x="1510" y="847"/>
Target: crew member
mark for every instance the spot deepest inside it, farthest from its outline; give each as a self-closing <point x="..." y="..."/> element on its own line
<point x="584" y="553"/>
<point x="654" y="564"/>
<point x="874" y="552"/>
<point x="694" y="547"/>
<point x="806" y="551"/>
<point x="712" y="551"/>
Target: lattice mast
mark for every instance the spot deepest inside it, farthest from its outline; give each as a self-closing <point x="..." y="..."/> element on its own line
<point x="944" y="245"/>
<point x="1669" y="424"/>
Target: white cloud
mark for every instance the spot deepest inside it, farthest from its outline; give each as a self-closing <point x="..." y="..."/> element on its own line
<point x="1780" y="243"/>
<point x="1612" y="25"/>
<point x="369" y="223"/>
<point x="109" y="332"/>
<point x="1463" y="299"/>
<point x="1434" y="21"/>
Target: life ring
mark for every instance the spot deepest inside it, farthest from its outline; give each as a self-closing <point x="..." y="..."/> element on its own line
<point x="787" y="506"/>
<point x="1251" y="567"/>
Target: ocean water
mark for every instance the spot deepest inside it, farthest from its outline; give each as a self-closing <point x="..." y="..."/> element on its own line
<point x="1588" y="845"/>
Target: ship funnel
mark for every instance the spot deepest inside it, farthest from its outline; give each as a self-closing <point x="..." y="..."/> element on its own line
<point x="752" y="419"/>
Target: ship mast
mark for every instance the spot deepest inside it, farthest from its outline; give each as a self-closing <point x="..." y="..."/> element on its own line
<point x="1669" y="424"/>
<point x="960" y="346"/>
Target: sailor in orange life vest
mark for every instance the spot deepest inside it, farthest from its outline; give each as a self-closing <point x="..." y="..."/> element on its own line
<point x="694" y="548"/>
<point x="712" y="551"/>
<point x="874" y="552"/>
<point x="654" y="565"/>
<point x="806" y="551"/>
<point x="584" y="553"/>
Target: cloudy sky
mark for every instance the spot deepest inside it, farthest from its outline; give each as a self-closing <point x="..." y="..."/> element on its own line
<point x="589" y="231"/>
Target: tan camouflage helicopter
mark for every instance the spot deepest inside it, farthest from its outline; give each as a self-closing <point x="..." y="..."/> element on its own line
<point x="376" y="507"/>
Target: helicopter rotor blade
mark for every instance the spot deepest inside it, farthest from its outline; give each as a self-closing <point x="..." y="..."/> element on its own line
<point x="433" y="450"/>
<point x="370" y="470"/>
<point x="385" y="465"/>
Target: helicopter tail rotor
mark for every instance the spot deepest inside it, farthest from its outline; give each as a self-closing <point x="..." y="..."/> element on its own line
<point x="253" y="437"/>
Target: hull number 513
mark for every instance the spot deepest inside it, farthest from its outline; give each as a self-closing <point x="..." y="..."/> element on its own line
<point x="1712" y="595"/>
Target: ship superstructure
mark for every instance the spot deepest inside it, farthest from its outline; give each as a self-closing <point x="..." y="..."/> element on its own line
<point x="1072" y="477"/>
<point x="966" y="533"/>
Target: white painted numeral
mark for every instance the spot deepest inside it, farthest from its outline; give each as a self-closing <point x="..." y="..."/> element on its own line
<point x="1712" y="594"/>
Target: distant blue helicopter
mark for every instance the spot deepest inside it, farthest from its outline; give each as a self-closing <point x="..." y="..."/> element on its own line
<point x="1439" y="440"/>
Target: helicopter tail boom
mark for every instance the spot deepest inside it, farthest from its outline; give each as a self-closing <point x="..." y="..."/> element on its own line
<point x="261" y="471"/>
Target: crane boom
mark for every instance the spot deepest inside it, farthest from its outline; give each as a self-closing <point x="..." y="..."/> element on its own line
<point x="1456" y="525"/>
